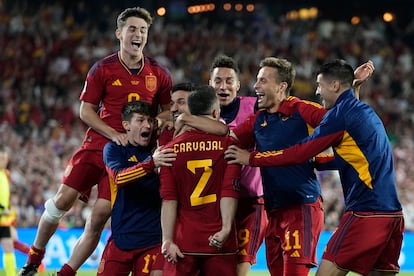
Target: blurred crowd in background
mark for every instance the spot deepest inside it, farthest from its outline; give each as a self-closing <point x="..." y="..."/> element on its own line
<point x="47" y="49"/>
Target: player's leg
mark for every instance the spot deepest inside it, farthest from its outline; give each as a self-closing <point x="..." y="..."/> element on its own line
<point x="353" y="237"/>
<point x="187" y="266"/>
<point x="6" y="242"/>
<point x="301" y="227"/>
<point x="80" y="175"/>
<point x="273" y="245"/>
<point x="219" y="265"/>
<point x="387" y="262"/>
<point x="55" y="209"/>
<point x="329" y="268"/>
<point x="95" y="223"/>
<point x="115" y="261"/>
<point x="90" y="237"/>
<point x="251" y="222"/>
<point x="148" y="261"/>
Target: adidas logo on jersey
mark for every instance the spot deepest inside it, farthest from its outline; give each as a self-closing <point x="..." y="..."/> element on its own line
<point x="133" y="159"/>
<point x="117" y="83"/>
<point x="295" y="254"/>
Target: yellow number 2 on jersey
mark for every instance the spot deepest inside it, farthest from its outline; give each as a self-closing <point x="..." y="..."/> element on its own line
<point x="196" y="199"/>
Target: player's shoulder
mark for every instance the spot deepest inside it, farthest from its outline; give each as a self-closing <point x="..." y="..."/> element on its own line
<point x="154" y="64"/>
<point x="106" y="61"/>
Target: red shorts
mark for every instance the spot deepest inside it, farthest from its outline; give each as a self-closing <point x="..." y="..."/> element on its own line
<point x="292" y="235"/>
<point x="195" y="265"/>
<point x="366" y="241"/>
<point x="86" y="169"/>
<point x="251" y="222"/>
<point x="140" y="261"/>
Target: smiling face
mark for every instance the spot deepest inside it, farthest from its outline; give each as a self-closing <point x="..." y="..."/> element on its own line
<point x="179" y="103"/>
<point x="225" y="83"/>
<point x="133" y="36"/>
<point x="326" y="90"/>
<point x="139" y="129"/>
<point x="270" y="92"/>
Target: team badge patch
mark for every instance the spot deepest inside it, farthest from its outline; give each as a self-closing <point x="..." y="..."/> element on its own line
<point x="151" y="82"/>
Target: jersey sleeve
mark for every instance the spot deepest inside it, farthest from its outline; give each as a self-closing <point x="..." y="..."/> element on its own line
<point x="245" y="132"/>
<point x="321" y="139"/>
<point x="231" y="181"/>
<point x="167" y="186"/>
<point x="311" y="112"/>
<point x="94" y="86"/>
<point x="118" y="168"/>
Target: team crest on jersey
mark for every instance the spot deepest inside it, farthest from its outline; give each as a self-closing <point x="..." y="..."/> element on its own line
<point x="151" y="82"/>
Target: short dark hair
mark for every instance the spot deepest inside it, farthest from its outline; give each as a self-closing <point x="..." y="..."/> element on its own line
<point x="201" y="101"/>
<point x="338" y="70"/>
<point x="138" y="107"/>
<point x="133" y="12"/>
<point x="226" y="62"/>
<point x="185" y="86"/>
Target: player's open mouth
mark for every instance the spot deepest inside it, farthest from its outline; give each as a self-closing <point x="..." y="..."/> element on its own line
<point x="136" y="44"/>
<point x="223" y="95"/>
<point x="145" y="134"/>
<point x="260" y="96"/>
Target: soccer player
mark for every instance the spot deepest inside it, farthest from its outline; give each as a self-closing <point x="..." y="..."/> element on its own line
<point x="112" y="82"/>
<point x="292" y="193"/>
<point x="251" y="220"/>
<point x="199" y="194"/>
<point x="6" y="220"/>
<point x="364" y="157"/>
<point x="135" y="243"/>
<point x="178" y="106"/>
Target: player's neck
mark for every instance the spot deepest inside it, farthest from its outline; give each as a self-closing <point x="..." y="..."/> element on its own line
<point x="132" y="62"/>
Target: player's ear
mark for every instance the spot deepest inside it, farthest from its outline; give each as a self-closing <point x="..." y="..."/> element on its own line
<point x="216" y="114"/>
<point x="118" y="33"/>
<point x="126" y="126"/>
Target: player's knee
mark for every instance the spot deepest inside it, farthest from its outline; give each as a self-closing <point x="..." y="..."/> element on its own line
<point x="52" y="214"/>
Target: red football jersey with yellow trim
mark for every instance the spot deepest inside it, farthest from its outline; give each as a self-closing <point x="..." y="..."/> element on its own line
<point x="110" y="84"/>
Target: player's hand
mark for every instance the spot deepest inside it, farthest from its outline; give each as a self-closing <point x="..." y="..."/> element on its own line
<point x="179" y="124"/>
<point x="236" y="155"/>
<point x="363" y="73"/>
<point x="120" y="139"/>
<point x="163" y="157"/>
<point x="218" y="239"/>
<point x="171" y="251"/>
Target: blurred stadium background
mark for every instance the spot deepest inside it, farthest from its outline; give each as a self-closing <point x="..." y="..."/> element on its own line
<point x="48" y="46"/>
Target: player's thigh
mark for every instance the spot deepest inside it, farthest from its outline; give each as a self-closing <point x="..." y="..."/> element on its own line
<point x="299" y="228"/>
<point x="251" y="222"/>
<point x="353" y="247"/>
<point x="85" y="170"/>
<point x="147" y="260"/>
<point x="115" y="262"/>
<point x="187" y="266"/>
<point x="220" y="265"/>
<point x="329" y="268"/>
<point x="100" y="214"/>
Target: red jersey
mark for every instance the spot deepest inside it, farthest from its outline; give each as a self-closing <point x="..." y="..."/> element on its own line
<point x="111" y="85"/>
<point x="198" y="179"/>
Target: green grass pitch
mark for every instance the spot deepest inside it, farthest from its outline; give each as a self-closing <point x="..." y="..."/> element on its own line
<point x="252" y="273"/>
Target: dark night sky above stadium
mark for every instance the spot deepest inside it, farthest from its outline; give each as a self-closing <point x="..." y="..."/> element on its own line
<point x="330" y="9"/>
